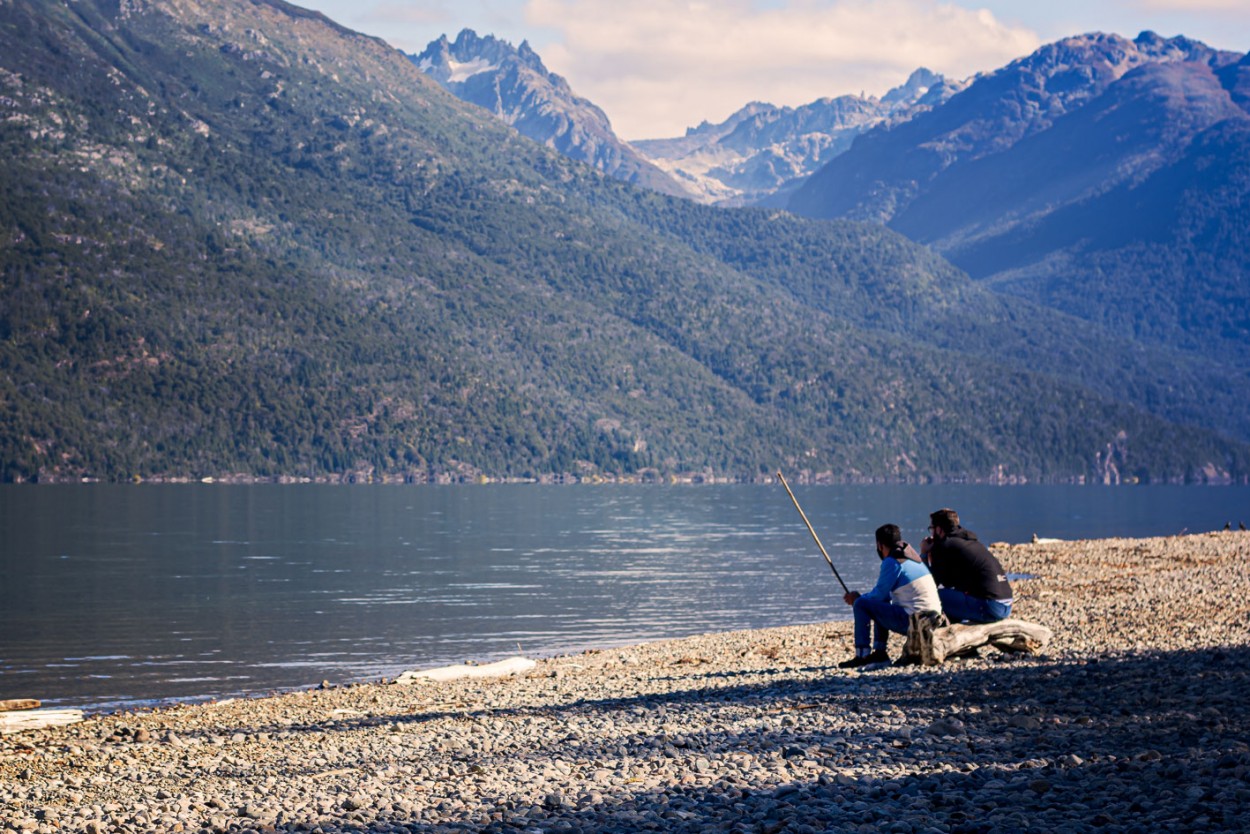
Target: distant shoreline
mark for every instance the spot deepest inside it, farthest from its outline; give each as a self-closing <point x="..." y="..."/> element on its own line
<point x="634" y="479"/>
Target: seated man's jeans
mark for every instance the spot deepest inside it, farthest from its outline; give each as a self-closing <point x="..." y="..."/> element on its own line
<point x="963" y="608"/>
<point x="883" y="616"/>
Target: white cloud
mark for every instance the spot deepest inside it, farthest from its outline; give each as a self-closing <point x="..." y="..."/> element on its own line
<point x="659" y="66"/>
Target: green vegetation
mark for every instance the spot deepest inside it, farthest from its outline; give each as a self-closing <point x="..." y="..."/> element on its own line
<point x="243" y="243"/>
<point x="1174" y="272"/>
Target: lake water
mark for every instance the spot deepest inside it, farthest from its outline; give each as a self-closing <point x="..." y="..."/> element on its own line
<point x="118" y="596"/>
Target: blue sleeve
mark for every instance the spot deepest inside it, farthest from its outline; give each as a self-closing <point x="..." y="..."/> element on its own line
<point x="886" y="580"/>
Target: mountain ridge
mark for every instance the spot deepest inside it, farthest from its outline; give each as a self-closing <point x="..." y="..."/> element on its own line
<point x="757" y="156"/>
<point x="515" y="85"/>
<point x="1057" y="179"/>
<point x="763" y="152"/>
<point x="240" y="244"/>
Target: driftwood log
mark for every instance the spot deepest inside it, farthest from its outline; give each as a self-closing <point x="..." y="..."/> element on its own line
<point x="510" y="666"/>
<point x="932" y="638"/>
<point x="19" y="703"/>
<point x="34" y="719"/>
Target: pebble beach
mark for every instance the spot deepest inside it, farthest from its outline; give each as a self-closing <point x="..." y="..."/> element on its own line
<point x="1136" y="718"/>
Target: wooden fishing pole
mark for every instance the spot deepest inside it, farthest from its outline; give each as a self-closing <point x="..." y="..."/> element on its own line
<point x="812" y="530"/>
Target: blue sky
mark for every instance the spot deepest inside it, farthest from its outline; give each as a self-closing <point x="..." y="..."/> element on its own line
<point x="659" y="66"/>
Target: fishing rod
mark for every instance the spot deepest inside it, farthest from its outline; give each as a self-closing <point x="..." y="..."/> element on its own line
<point x="812" y="530"/>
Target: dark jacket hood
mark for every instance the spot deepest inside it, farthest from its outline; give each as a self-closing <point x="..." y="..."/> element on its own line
<point x="962" y="533"/>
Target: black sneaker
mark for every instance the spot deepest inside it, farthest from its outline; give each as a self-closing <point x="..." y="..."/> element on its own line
<point x="908" y="660"/>
<point x="879" y="656"/>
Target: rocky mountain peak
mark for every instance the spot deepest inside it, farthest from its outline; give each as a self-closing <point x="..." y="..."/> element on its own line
<point x="915" y="88"/>
<point x="763" y="151"/>
<point x="1181" y="48"/>
<point x="454" y="62"/>
<point x="514" y="84"/>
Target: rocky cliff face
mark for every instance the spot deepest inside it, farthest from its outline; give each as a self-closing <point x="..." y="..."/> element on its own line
<point x="513" y="83"/>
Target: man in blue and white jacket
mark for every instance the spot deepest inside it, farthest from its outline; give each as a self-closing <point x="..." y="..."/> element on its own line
<point x="904" y="586"/>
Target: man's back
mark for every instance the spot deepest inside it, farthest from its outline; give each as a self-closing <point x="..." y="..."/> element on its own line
<point x="908" y="584"/>
<point x="959" y="560"/>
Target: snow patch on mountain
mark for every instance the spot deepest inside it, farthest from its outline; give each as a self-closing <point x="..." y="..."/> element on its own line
<point x="463" y="71"/>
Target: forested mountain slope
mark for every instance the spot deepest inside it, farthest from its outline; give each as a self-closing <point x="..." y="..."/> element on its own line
<point x="240" y="241"/>
<point x="1105" y="177"/>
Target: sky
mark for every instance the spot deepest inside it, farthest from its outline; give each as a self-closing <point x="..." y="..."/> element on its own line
<point x="657" y="67"/>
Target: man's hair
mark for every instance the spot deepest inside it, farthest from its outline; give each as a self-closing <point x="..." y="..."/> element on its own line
<point x="944" y="519"/>
<point x="889" y="535"/>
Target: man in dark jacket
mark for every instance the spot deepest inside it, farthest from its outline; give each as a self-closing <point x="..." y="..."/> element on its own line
<point x="974" y="586"/>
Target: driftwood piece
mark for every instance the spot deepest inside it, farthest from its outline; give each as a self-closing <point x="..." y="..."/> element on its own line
<point x="19" y="703"/>
<point x="511" y="666"/>
<point x="932" y="638"/>
<point x="34" y="719"/>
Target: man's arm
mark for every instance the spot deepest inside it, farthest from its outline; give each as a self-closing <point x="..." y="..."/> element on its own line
<point x="926" y="552"/>
<point x="886" y="580"/>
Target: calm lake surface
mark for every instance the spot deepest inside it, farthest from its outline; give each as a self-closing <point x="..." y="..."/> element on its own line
<point x="120" y="596"/>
